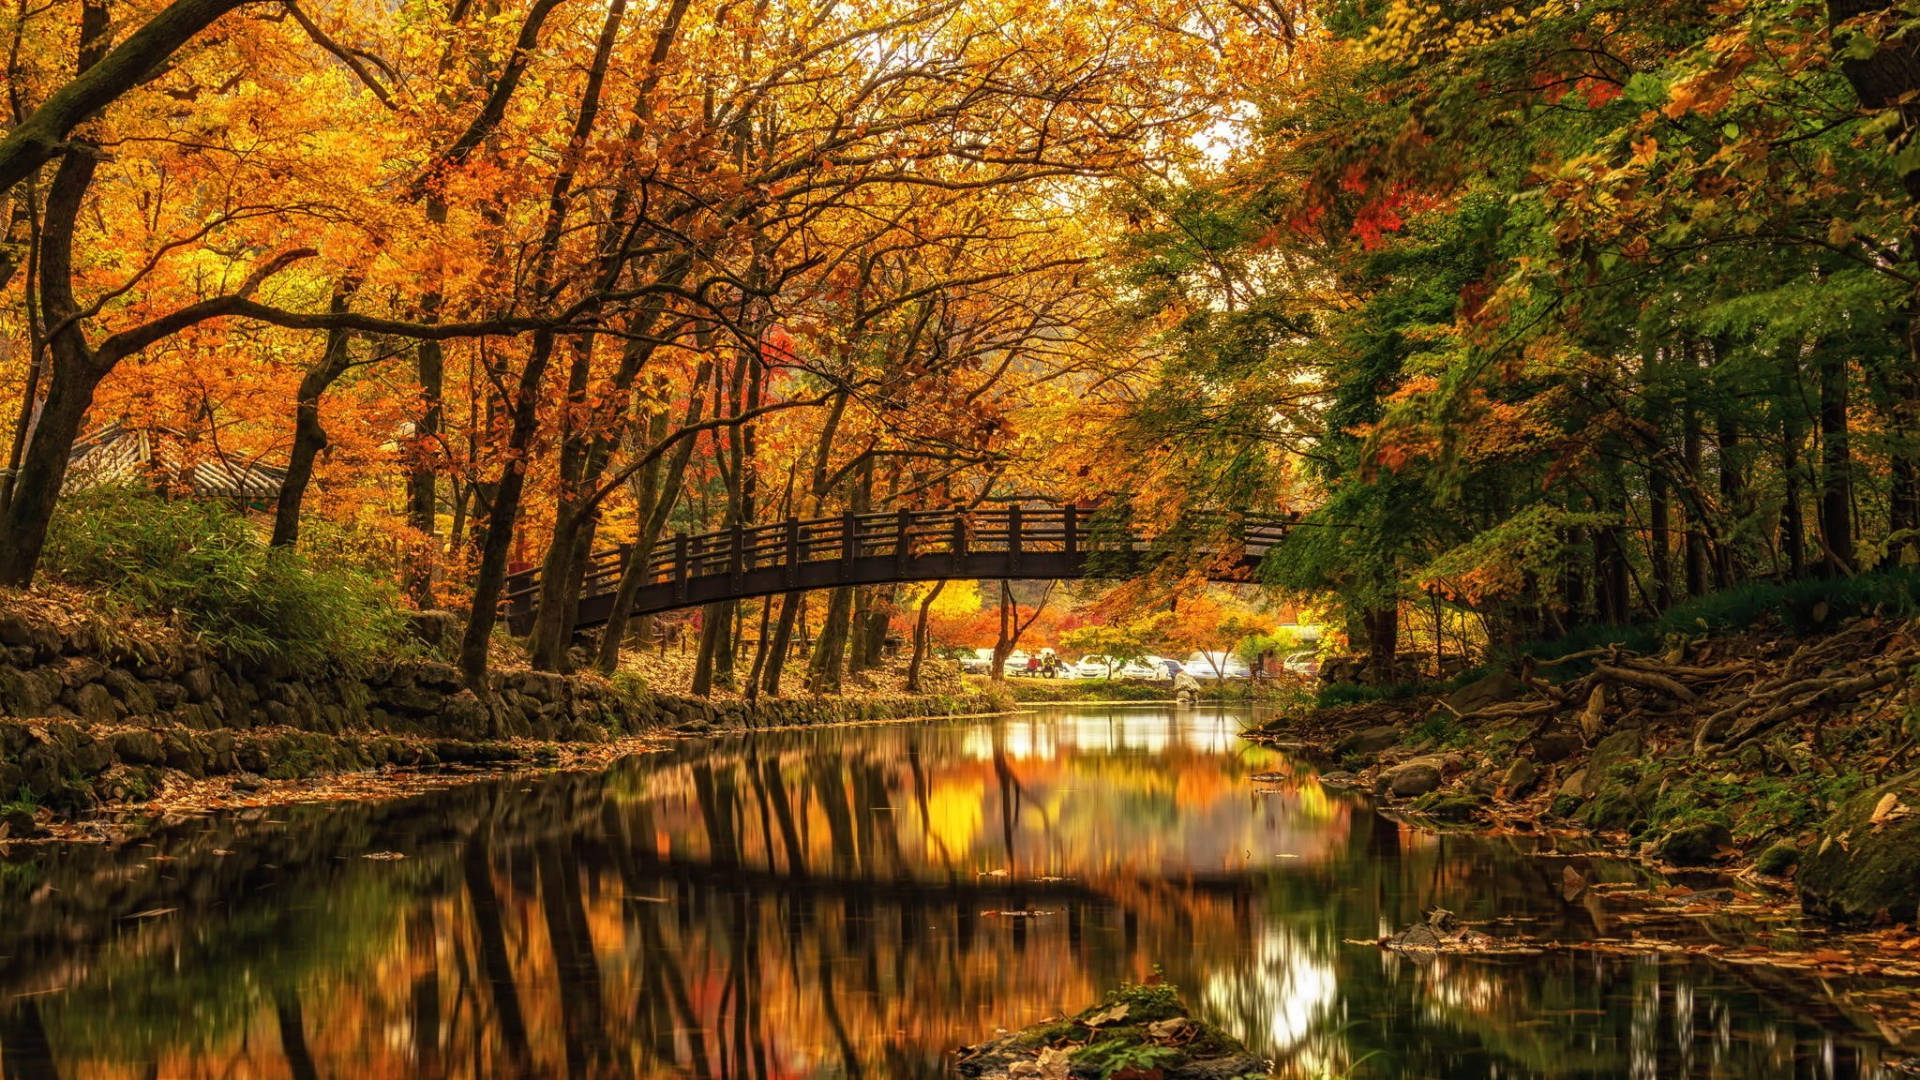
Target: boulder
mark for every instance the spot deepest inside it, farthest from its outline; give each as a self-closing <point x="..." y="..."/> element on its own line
<point x="95" y="704"/>
<point x="1865" y="868"/>
<point x="1412" y="778"/>
<point x="1552" y="746"/>
<point x="1521" y="777"/>
<point x="198" y="683"/>
<point x="139" y="748"/>
<point x="1480" y="693"/>
<point x="1574" y="786"/>
<point x="1698" y="844"/>
<point x="26" y="693"/>
<point x="1367" y="741"/>
<point x="434" y="629"/>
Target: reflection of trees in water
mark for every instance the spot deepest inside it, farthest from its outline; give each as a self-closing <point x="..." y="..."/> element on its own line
<point x="788" y="906"/>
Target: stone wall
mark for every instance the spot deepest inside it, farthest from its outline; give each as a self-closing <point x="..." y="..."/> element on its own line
<point x="95" y="711"/>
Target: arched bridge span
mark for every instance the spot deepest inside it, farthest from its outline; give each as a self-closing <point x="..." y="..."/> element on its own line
<point x="900" y="546"/>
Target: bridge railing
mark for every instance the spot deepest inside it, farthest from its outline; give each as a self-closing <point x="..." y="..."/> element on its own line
<point x="904" y="535"/>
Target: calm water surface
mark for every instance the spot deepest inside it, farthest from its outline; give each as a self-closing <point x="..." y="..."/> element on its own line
<point x="851" y="902"/>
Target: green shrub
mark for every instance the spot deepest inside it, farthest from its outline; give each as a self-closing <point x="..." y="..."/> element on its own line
<point x="1798" y="607"/>
<point x="629" y="686"/>
<point x="1336" y="694"/>
<point x="209" y="566"/>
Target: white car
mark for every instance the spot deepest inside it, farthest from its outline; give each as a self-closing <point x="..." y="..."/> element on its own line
<point x="1217" y="665"/>
<point x="1142" y="668"/>
<point x="1095" y="666"/>
<point x="1303" y="663"/>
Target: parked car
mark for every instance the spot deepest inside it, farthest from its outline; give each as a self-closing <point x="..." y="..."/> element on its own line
<point x="1016" y="661"/>
<point x="1141" y="668"/>
<point x="1095" y="666"/>
<point x="1217" y="665"/>
<point x="1303" y="663"/>
<point x="1169" y="667"/>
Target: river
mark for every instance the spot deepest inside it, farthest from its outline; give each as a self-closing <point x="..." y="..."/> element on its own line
<point x="849" y="902"/>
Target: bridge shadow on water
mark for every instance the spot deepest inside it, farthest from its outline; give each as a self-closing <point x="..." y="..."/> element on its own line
<point x="846" y="902"/>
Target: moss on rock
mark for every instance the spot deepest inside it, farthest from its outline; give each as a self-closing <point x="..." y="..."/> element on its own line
<point x="1864" y="872"/>
<point x="1137" y="1031"/>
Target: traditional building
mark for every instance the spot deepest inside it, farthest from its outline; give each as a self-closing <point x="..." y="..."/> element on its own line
<point x="169" y="461"/>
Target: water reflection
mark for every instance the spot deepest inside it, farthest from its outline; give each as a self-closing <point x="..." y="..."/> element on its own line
<point x="844" y="903"/>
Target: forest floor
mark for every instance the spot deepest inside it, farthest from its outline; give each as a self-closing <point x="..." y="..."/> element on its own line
<point x="181" y="795"/>
<point x="1772" y="772"/>
<point x="1756" y="738"/>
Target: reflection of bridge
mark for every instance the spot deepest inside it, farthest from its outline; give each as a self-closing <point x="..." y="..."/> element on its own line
<point x="906" y="545"/>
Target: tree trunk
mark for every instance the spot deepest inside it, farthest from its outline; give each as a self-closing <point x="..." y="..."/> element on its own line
<point x="1573" y="578"/>
<point x="1793" y="519"/>
<point x="1697" y="555"/>
<point x="1660" y="538"/>
<point x="1836" y="466"/>
<point x="1383" y="643"/>
<point x="1733" y="498"/>
<point x="491" y="577"/>
<point x="430" y="367"/>
<point x="74" y="372"/>
<point x="829" y="650"/>
<point x="309" y="435"/>
<point x="1885" y="75"/>
<point x="879" y="621"/>
<point x="714" y="661"/>
<point x="857" y="636"/>
<point x="42" y="471"/>
<point x="782" y="643"/>
<point x="634" y="575"/>
<point x="922" y="637"/>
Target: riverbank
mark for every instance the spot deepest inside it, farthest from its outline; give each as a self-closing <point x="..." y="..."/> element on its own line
<point x="1772" y="754"/>
<point x="1041" y="691"/>
<point x="106" y="710"/>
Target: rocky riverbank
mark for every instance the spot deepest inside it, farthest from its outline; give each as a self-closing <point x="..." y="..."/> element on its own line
<point x="95" y="711"/>
<point x="1783" y="757"/>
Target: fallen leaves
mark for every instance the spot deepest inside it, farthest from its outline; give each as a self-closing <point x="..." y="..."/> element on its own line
<point x="1888" y="809"/>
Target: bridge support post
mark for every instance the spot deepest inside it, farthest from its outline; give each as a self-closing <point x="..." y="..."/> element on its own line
<point x="959" y="539"/>
<point x="1070" y="532"/>
<point x="902" y="540"/>
<point x="793" y="552"/>
<point x="680" y="566"/>
<point x="737" y="557"/>
<point x="1013" y="539"/>
<point x="849" y="543"/>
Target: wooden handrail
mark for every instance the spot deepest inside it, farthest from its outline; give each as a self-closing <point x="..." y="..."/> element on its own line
<point x="958" y="538"/>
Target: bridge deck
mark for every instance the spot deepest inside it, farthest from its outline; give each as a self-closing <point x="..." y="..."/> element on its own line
<point x="905" y="545"/>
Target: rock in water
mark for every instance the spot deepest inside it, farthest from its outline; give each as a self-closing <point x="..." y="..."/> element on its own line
<point x="1442" y="932"/>
<point x="1694" y="845"/>
<point x="1139" y="1031"/>
<point x="1412" y="779"/>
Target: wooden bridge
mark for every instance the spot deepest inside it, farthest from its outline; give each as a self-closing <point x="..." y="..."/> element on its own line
<point x="905" y="545"/>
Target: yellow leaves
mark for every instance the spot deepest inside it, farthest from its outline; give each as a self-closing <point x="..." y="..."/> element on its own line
<point x="1644" y="151"/>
